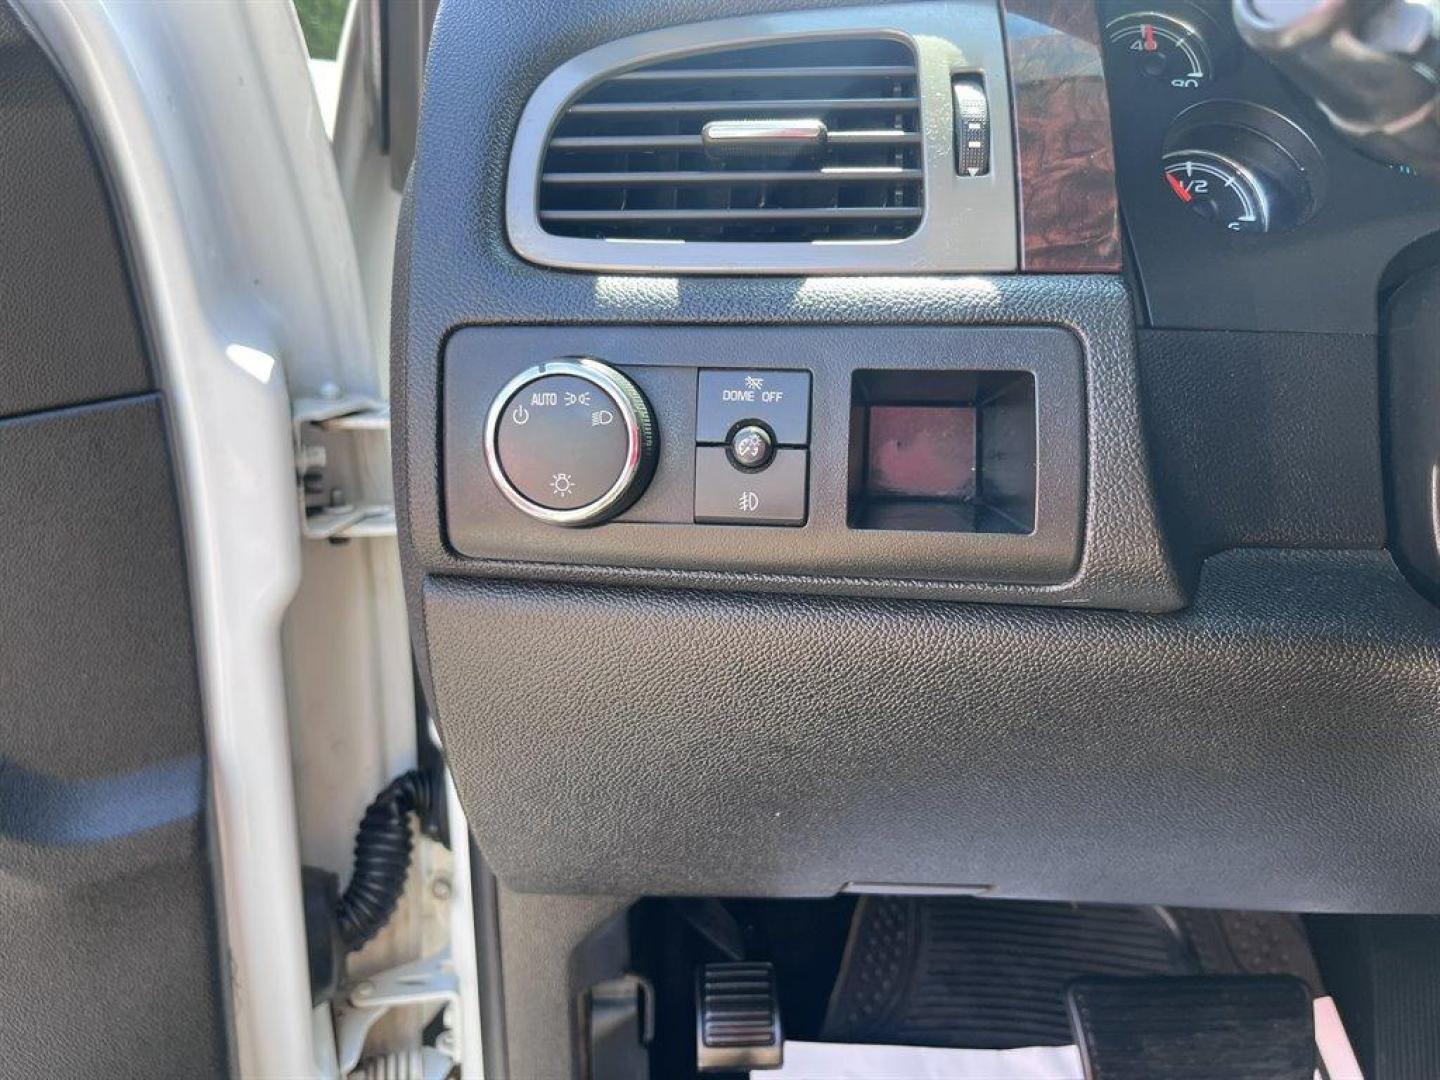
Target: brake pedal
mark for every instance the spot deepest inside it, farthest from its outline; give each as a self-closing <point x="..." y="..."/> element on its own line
<point x="1208" y="1027"/>
<point x="737" y="1018"/>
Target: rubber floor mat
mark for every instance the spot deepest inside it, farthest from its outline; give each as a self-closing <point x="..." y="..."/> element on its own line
<point x="1250" y="943"/>
<point x="984" y="974"/>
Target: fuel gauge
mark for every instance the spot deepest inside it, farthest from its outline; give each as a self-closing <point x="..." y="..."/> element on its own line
<point x="1160" y="48"/>
<point x="1243" y="167"/>
<point x="1219" y="189"/>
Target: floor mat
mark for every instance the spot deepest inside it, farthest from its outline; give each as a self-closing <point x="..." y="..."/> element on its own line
<point x="1249" y="943"/>
<point x="985" y="974"/>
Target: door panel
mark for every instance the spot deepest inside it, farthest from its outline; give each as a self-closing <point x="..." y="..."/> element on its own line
<point x="68" y="332"/>
<point x="108" y="953"/>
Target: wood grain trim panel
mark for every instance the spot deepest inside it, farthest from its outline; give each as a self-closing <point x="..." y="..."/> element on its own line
<point x="1069" y="217"/>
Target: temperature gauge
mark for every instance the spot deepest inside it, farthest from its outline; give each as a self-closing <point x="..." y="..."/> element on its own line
<point x="1161" y="48"/>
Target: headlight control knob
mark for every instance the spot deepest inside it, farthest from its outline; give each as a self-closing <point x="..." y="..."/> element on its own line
<point x="571" y="442"/>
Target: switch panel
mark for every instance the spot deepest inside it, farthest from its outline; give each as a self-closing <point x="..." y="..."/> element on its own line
<point x="915" y="454"/>
<point x="758" y="475"/>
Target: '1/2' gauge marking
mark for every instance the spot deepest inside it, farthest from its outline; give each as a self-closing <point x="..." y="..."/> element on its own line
<point x="1157" y="46"/>
<point x="1219" y="189"/>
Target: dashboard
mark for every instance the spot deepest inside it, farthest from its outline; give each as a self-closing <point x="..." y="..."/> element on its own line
<point x="938" y="444"/>
<point x="1289" y="226"/>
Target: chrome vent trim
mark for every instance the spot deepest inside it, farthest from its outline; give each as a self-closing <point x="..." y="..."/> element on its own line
<point x="774" y="143"/>
<point x="629" y="158"/>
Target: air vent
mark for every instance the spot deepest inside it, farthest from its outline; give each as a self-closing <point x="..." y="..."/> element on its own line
<point x="808" y="140"/>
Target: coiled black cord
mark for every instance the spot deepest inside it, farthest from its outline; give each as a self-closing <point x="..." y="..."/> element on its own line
<point x="382" y="857"/>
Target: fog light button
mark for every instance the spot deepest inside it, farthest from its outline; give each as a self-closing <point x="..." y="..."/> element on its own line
<point x="727" y="495"/>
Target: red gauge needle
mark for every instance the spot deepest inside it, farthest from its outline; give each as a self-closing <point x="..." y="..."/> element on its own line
<point x="1179" y="188"/>
<point x="1149" y="32"/>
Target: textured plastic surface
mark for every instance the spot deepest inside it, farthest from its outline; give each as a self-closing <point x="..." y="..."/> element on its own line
<point x="1265" y="440"/>
<point x="552" y="948"/>
<point x="1221" y="1027"/>
<point x="983" y="974"/>
<point x="1412" y="403"/>
<point x="69" y="332"/>
<point x="113" y="980"/>
<point x="90" y="516"/>
<point x="104" y="884"/>
<point x="1230" y="754"/>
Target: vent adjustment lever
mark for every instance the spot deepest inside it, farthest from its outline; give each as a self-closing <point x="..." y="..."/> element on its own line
<point x="730" y="139"/>
<point x="972" y="126"/>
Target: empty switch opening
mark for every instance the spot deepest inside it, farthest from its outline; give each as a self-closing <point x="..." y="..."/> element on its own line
<point x="943" y="451"/>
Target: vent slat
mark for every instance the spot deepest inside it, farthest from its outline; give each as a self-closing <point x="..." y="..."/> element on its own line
<point x="836" y="71"/>
<point x="884" y="137"/>
<point x="631" y="108"/>
<point x="627" y="158"/>
<point x="818" y="213"/>
<point x="836" y="174"/>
